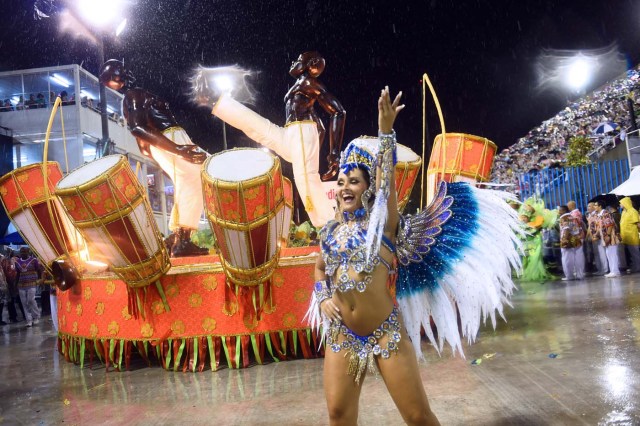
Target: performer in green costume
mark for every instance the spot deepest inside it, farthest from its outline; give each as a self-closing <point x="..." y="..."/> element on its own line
<point x="535" y="217"/>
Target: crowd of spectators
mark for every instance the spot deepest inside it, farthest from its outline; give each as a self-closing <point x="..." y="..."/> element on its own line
<point x="546" y="145"/>
<point x="22" y="282"/>
<point x="38" y="101"/>
<point x="35" y="101"/>
<point x="603" y="240"/>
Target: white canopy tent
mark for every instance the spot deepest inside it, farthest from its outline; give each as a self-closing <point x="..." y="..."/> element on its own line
<point x="630" y="186"/>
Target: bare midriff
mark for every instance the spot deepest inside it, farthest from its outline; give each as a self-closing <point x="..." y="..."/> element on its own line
<point x="364" y="311"/>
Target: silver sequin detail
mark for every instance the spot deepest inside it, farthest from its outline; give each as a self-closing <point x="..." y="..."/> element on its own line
<point x="362" y="349"/>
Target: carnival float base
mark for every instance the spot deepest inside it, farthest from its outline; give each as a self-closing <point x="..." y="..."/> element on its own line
<point x="202" y="323"/>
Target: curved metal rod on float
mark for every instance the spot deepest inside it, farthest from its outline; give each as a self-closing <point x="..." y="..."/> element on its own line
<point x="65" y="274"/>
<point x="427" y="81"/>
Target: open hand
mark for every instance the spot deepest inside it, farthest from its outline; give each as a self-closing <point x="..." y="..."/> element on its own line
<point x="330" y="310"/>
<point x="387" y="110"/>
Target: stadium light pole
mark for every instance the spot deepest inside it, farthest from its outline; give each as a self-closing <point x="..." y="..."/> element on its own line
<point x="105" y="17"/>
<point x="103" y="145"/>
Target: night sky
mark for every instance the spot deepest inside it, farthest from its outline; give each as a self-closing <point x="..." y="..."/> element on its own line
<point x="480" y="55"/>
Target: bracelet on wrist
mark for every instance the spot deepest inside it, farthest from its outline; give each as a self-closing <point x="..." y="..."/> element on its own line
<point x="388" y="143"/>
<point x="322" y="291"/>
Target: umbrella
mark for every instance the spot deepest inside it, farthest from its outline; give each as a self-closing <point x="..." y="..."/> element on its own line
<point x="606" y="127"/>
<point x="630" y="186"/>
<point x="609" y="199"/>
<point x="12" y="238"/>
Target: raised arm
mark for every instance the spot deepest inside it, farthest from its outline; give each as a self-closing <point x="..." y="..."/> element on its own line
<point x="387" y="113"/>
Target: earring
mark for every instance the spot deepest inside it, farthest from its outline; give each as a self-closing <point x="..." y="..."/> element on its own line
<point x="365" y="197"/>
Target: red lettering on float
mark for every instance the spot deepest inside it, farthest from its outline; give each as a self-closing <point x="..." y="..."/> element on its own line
<point x="331" y="194"/>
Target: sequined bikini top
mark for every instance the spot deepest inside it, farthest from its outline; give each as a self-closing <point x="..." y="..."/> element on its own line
<point x="344" y="248"/>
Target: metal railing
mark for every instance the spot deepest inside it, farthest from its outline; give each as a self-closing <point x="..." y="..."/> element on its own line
<point x="556" y="186"/>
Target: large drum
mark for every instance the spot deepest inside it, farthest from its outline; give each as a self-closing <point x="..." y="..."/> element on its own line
<point x="464" y="158"/>
<point x="246" y="208"/>
<point x="44" y="226"/>
<point x="407" y="169"/>
<point x="108" y="205"/>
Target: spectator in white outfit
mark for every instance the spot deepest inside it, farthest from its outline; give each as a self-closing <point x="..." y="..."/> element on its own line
<point x="571" y="239"/>
<point x="610" y="238"/>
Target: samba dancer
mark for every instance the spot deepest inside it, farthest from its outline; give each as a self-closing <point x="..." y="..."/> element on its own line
<point x="458" y="252"/>
<point x="369" y="310"/>
<point x="161" y="138"/>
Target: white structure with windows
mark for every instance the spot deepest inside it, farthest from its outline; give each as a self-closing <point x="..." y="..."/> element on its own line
<point x="26" y="99"/>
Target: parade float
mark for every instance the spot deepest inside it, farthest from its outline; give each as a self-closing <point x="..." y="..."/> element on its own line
<point x="120" y="294"/>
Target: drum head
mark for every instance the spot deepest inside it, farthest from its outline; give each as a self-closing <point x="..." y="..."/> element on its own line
<point x="406" y="154"/>
<point x="89" y="171"/>
<point x="239" y="164"/>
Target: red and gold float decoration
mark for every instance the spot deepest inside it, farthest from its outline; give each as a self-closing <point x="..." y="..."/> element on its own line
<point x="204" y="328"/>
<point x="106" y="202"/>
<point x="455" y="157"/>
<point x="244" y="198"/>
<point x="27" y="195"/>
<point x="37" y="214"/>
<point x="461" y="158"/>
<point x="407" y="169"/>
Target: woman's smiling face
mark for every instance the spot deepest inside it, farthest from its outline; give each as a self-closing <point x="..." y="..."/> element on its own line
<point x="351" y="186"/>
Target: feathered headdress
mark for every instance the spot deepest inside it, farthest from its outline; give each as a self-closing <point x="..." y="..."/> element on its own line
<point x="360" y="152"/>
<point x="363" y="152"/>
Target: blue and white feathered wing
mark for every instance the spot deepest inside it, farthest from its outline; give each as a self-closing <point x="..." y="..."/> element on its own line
<point x="457" y="255"/>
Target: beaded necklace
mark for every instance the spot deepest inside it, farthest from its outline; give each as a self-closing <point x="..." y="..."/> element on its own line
<point x="353" y="230"/>
<point x="345" y="249"/>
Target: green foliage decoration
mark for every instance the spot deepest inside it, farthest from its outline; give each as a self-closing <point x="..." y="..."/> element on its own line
<point x="303" y="235"/>
<point x="204" y="238"/>
<point x="579" y="148"/>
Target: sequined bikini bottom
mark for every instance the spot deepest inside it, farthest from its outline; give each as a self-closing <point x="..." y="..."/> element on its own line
<point x="362" y="349"/>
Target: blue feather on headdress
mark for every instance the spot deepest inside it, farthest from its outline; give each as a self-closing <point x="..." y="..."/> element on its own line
<point x="357" y="154"/>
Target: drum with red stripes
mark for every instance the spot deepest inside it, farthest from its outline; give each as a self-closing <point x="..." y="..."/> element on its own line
<point x="108" y="205"/>
<point x="245" y="203"/>
<point x="38" y="214"/>
<point x="461" y="158"/>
